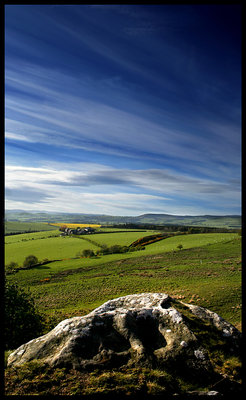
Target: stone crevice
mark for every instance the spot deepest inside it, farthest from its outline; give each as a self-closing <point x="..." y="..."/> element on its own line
<point x="149" y="329"/>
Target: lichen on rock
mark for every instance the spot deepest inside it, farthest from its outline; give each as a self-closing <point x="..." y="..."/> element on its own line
<point x="148" y="329"/>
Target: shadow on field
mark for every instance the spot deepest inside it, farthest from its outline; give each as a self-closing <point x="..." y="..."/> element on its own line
<point x="41" y="267"/>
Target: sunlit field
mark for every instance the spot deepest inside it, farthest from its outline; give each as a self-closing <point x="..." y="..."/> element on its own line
<point x="68" y="225"/>
<point x="206" y="271"/>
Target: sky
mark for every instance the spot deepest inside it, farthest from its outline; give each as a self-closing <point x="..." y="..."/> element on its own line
<point x="123" y="109"/>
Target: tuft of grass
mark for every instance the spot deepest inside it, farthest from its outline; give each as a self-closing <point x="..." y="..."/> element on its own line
<point x="34" y="378"/>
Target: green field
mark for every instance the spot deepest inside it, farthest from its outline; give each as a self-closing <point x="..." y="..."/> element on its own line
<point x="207" y="271"/>
<point x="17" y="227"/>
<point x="50" y="245"/>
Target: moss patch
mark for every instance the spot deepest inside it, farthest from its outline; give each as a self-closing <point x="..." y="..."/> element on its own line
<point x="210" y="337"/>
<point x="35" y="378"/>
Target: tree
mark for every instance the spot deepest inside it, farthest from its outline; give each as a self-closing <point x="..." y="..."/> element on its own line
<point x="104" y="250"/>
<point x="88" y="253"/>
<point x="117" y="248"/>
<point x="30" y="261"/>
<point x="22" y="320"/>
<point x="11" y="267"/>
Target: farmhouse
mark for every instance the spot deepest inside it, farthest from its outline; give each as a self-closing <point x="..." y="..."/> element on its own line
<point x="78" y="231"/>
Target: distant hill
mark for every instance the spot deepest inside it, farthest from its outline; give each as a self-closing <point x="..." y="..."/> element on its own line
<point x="229" y="221"/>
<point x="225" y="221"/>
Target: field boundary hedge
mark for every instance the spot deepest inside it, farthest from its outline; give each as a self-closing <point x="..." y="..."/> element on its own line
<point x="144" y="241"/>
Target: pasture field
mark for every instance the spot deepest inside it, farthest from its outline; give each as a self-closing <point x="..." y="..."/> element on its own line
<point x="54" y="247"/>
<point x="22" y="237"/>
<point x="207" y="271"/>
<point x="17" y="227"/>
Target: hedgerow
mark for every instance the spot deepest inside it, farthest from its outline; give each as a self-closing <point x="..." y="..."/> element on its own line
<point x="149" y="239"/>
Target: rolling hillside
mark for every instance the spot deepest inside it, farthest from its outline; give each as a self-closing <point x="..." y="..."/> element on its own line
<point x="226" y="221"/>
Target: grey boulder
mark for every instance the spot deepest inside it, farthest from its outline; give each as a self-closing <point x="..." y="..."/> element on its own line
<point x="148" y="329"/>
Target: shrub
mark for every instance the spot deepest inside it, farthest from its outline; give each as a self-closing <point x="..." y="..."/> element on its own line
<point x="11" y="267"/>
<point x="104" y="250"/>
<point x="22" y="320"/>
<point x="136" y="248"/>
<point x="180" y="246"/>
<point x="88" y="253"/>
<point x="115" y="249"/>
<point x="30" y="261"/>
<point x="149" y="239"/>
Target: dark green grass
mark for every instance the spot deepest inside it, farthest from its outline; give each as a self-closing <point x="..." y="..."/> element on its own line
<point x="209" y="276"/>
<point x="36" y="379"/>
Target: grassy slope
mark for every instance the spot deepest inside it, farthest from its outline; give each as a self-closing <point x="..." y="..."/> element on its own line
<point x="54" y="248"/>
<point x="43" y="246"/>
<point x="207" y="272"/>
<point x="16" y="226"/>
<point x="211" y="221"/>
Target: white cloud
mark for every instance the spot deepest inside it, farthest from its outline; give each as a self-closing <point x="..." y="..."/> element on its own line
<point x="16" y="136"/>
<point x="123" y="81"/>
<point x="92" y="188"/>
<point x="85" y="202"/>
<point x="15" y="176"/>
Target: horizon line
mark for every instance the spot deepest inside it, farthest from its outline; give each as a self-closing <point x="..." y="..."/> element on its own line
<point x="125" y="216"/>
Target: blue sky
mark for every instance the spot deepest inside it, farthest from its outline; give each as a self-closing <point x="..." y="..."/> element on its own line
<point x="123" y="109"/>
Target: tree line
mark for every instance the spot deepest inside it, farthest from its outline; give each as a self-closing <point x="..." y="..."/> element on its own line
<point x="174" y="228"/>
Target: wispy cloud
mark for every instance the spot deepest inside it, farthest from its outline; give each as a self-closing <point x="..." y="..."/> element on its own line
<point x="146" y="100"/>
<point x="25" y="195"/>
<point x="109" y="187"/>
<point x="77" y="121"/>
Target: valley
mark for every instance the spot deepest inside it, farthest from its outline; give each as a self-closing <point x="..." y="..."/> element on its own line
<point x="206" y="270"/>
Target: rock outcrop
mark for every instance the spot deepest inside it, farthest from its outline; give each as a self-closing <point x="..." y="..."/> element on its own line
<point x="149" y="329"/>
